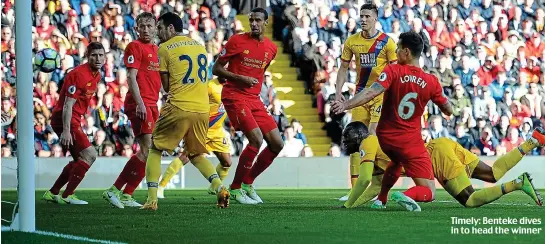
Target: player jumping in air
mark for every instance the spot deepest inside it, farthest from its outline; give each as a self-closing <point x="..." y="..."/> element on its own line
<point x="407" y="90"/>
<point x="77" y="90"/>
<point x="216" y="139"/>
<point x="141" y="107"/>
<point x="183" y="65"/>
<point x="248" y="56"/>
<point x="373" y="50"/>
<point x="453" y="165"/>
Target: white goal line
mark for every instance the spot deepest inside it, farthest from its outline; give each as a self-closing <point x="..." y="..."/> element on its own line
<point x="66" y="236"/>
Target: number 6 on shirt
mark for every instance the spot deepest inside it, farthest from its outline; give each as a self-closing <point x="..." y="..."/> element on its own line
<point x="202" y="72"/>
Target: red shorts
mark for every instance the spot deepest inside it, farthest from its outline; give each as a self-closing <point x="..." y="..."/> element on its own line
<point x="246" y="115"/>
<point x="414" y="158"/>
<point x="79" y="140"/>
<point x="140" y="127"/>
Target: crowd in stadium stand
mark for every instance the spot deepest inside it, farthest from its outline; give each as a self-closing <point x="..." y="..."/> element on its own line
<point x="489" y="56"/>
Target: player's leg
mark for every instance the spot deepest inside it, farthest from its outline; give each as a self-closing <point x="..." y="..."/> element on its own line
<point x="195" y="145"/>
<point x="275" y="144"/>
<point x="217" y="142"/>
<point x="361" y="186"/>
<point x="242" y="119"/>
<point x="86" y="158"/>
<point x="371" y="192"/>
<point x="169" y="131"/>
<point x="391" y="175"/>
<point x="173" y="168"/>
<point x="225" y="163"/>
<point x="52" y="195"/>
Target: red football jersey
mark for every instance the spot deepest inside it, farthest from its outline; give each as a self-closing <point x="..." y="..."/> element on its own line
<point x="143" y="56"/>
<point x="80" y="84"/>
<point x="408" y="91"/>
<point x="249" y="57"/>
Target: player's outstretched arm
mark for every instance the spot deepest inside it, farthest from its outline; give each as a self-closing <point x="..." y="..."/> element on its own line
<point x="341" y="79"/>
<point x="66" y="137"/>
<point x="360" y="99"/>
<point x="446" y="108"/>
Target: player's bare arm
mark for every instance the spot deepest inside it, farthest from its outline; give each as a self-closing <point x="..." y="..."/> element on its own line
<point x="164" y="81"/>
<point x="66" y="137"/>
<point x="359" y="99"/>
<point x="220" y="71"/>
<point x="341" y="79"/>
<point x="446" y="108"/>
<point x="135" y="92"/>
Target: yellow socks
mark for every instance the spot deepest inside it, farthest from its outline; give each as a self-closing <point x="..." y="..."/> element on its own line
<point x="366" y="173"/>
<point x="528" y="145"/>
<point x="354" y="168"/>
<point x="506" y="162"/>
<point x="371" y="192"/>
<point x="173" y="168"/>
<point x="484" y="196"/>
<point x="222" y="171"/>
<point x="153" y="172"/>
<point x="207" y="170"/>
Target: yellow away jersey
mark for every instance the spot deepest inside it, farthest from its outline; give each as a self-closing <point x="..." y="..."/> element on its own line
<point x="186" y="62"/>
<point x="370" y="151"/>
<point x="217" y="111"/>
<point x="372" y="55"/>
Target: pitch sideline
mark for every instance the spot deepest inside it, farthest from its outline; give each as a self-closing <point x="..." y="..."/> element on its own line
<point x="66" y="236"/>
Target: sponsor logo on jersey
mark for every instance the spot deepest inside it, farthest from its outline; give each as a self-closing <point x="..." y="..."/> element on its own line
<point x="368" y="60"/>
<point x="246" y="51"/>
<point x="72" y="89"/>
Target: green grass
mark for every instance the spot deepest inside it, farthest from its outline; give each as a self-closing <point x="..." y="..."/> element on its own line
<point x="288" y="216"/>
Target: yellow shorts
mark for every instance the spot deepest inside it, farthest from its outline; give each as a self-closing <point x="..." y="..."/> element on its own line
<point x="456" y="185"/>
<point x="217" y="141"/>
<point x="368" y="113"/>
<point x="451" y="159"/>
<point x="175" y="125"/>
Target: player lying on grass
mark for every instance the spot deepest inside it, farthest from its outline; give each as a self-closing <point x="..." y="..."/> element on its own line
<point x="216" y="140"/>
<point x="452" y="167"/>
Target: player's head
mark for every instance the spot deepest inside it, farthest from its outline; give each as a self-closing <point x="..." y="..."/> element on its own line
<point x="409" y="47"/>
<point x="353" y="135"/>
<point x="169" y="25"/>
<point x="258" y="18"/>
<point x="95" y="55"/>
<point x="368" y="16"/>
<point x="145" y="26"/>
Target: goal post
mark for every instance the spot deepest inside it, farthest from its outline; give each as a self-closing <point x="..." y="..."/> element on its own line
<point x="25" y="129"/>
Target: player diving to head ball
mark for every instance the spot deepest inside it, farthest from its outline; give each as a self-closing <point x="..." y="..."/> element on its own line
<point x="453" y="166"/>
<point x="183" y="66"/>
<point x="216" y="139"/>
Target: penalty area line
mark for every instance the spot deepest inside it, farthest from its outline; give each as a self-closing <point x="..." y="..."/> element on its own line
<point x="65" y="236"/>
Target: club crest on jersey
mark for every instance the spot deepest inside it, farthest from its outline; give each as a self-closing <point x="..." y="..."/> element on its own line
<point x="223" y="52"/>
<point x="130" y="59"/>
<point x="72" y="89"/>
<point x="368" y="60"/>
<point x="382" y="77"/>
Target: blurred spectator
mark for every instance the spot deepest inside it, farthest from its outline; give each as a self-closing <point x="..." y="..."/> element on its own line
<point x="334" y="151"/>
<point x="512" y="140"/>
<point x="463" y="138"/>
<point x="268" y="93"/>
<point x="278" y="115"/>
<point x="298" y="129"/>
<point x="486" y="142"/>
<point x="293" y="147"/>
<point x="436" y="128"/>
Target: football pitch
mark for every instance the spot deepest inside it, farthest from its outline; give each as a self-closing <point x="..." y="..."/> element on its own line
<point x="288" y="216"/>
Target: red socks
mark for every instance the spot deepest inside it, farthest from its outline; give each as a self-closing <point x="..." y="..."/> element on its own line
<point x="245" y="162"/>
<point x="391" y="175"/>
<point x="135" y="176"/>
<point x="264" y="160"/>
<point x="63" y="178"/>
<point x="419" y="193"/>
<point x="76" y="176"/>
<point x="131" y="175"/>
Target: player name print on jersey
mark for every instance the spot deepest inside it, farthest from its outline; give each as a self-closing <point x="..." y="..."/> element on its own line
<point x="413" y="79"/>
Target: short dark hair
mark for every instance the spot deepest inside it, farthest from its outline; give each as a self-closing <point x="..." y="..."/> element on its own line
<point x="413" y="41"/>
<point x="144" y="15"/>
<point x="94" y="46"/>
<point x="173" y="19"/>
<point x="353" y="134"/>
<point x="261" y="10"/>
<point x="370" y="6"/>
